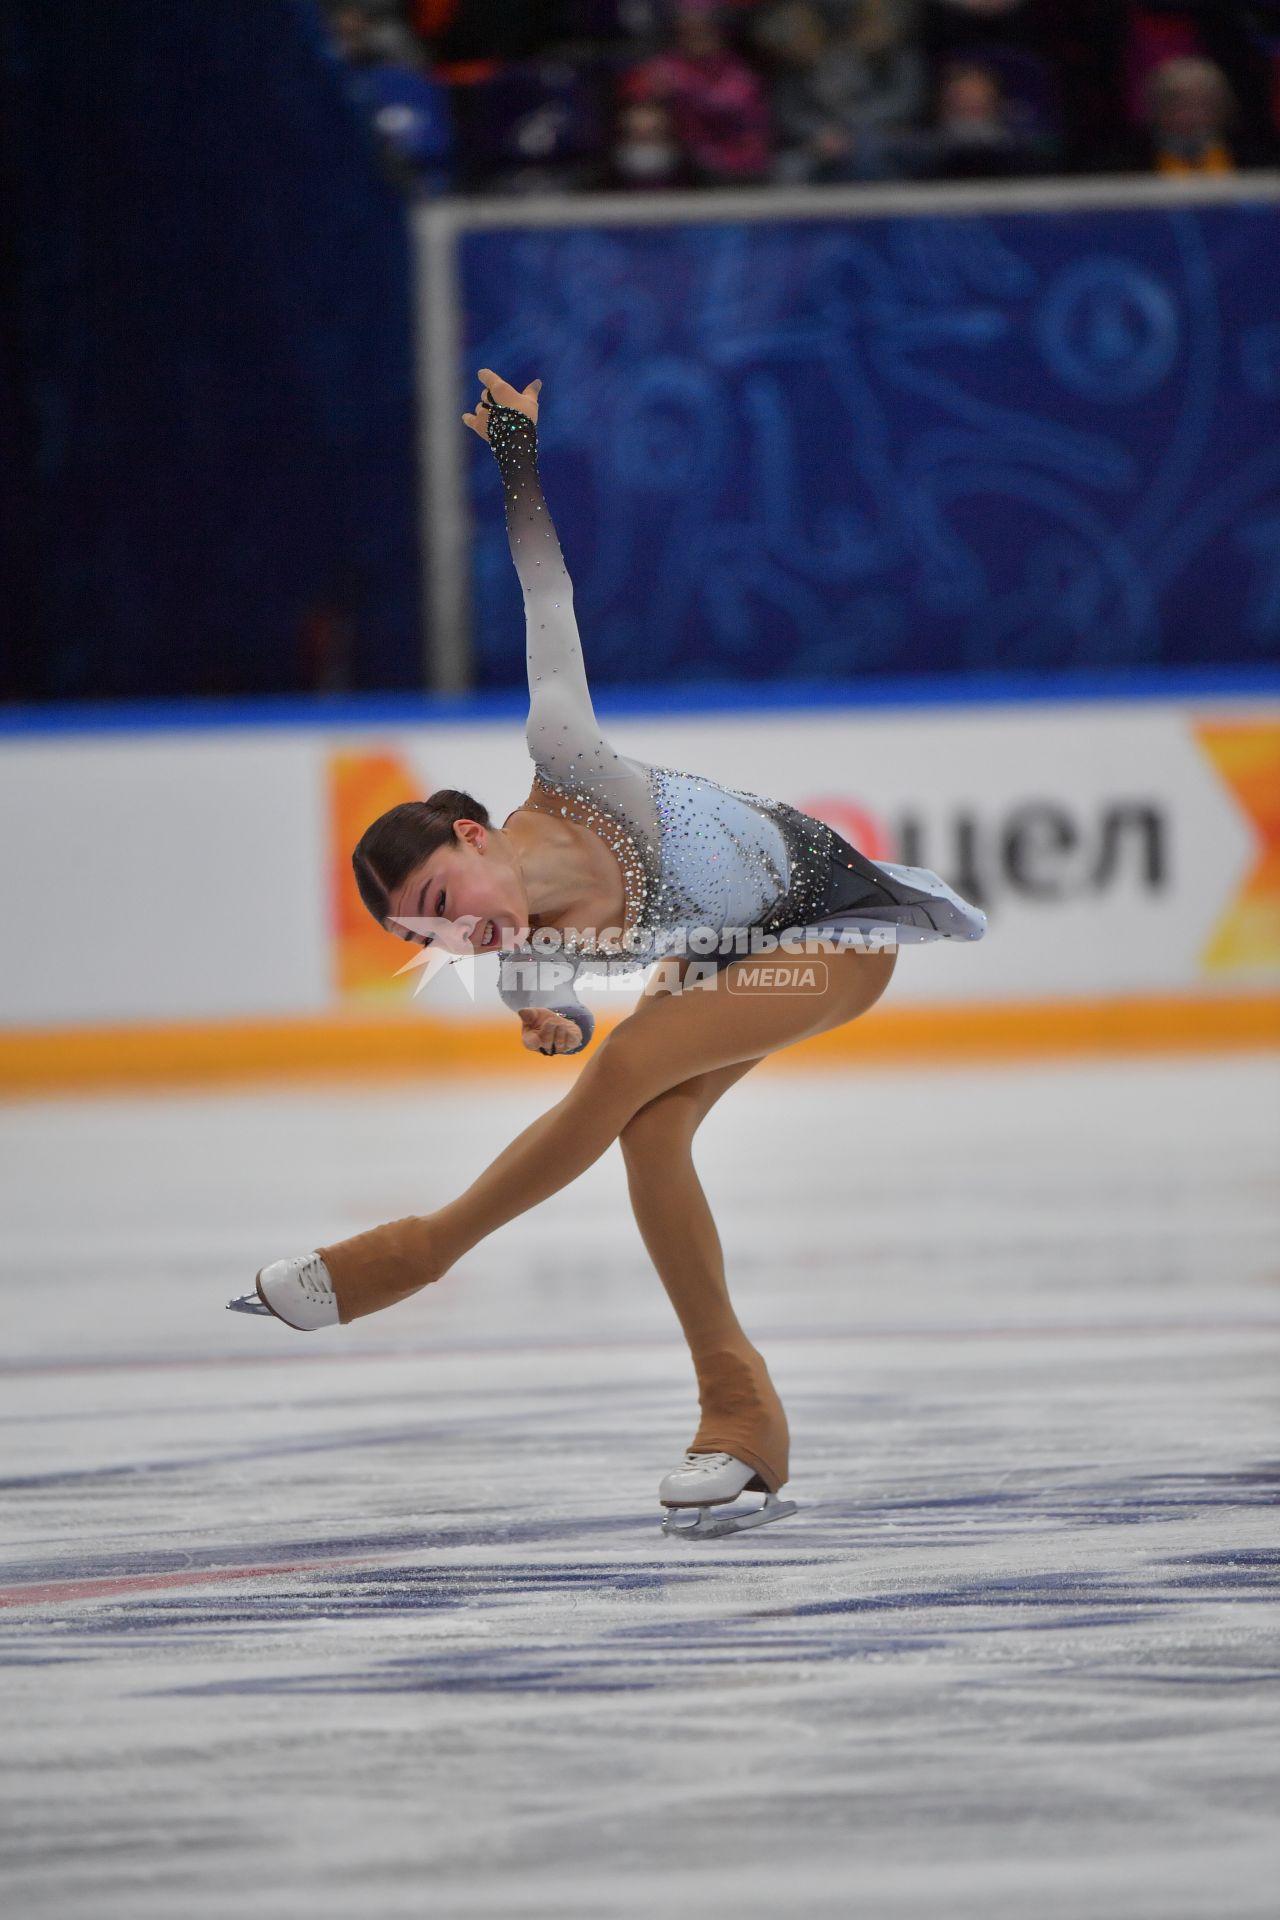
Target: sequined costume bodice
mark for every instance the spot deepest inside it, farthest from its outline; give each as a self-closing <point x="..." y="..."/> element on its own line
<point x="693" y="854"/>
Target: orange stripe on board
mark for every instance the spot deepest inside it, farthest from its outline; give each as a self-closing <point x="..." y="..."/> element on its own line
<point x="355" y="1046"/>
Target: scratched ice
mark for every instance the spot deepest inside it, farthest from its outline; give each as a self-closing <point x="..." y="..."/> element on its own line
<point x="381" y="1622"/>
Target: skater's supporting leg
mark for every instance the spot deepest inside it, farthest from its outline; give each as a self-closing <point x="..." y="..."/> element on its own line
<point x="671" y="1208"/>
<point x="741" y="1411"/>
<point x="668" y="1038"/>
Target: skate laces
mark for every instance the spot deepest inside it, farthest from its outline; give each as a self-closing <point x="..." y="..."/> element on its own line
<point x="313" y="1278"/>
<point x="706" y="1462"/>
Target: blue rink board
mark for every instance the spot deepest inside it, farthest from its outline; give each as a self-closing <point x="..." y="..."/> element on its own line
<point x="704" y="698"/>
<point x="1025" y="441"/>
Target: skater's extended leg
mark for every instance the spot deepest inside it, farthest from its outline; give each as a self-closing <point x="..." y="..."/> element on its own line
<point x="741" y="1412"/>
<point x="668" y="1038"/>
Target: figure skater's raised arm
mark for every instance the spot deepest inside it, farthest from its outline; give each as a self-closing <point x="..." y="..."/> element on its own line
<point x="563" y="735"/>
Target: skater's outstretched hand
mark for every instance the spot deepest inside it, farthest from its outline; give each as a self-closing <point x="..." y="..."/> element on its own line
<point x="496" y="388"/>
<point x="548" y="1032"/>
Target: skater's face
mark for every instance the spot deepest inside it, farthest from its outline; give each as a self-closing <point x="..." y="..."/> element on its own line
<point x="470" y="889"/>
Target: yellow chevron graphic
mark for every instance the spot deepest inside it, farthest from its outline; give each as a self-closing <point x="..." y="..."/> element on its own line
<point x="1246" y="756"/>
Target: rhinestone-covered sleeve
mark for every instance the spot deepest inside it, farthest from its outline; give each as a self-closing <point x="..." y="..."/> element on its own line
<point x="563" y="734"/>
<point x="526" y="979"/>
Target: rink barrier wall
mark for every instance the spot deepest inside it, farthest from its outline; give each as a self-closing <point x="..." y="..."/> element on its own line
<point x="182" y="909"/>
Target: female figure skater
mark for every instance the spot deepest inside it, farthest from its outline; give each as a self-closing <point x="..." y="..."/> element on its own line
<point x="612" y="863"/>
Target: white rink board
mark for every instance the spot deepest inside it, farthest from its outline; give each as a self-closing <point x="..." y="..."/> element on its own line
<point x="179" y="876"/>
<point x="161" y="877"/>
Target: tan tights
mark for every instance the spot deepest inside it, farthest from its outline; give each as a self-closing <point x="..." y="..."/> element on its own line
<point x="648" y="1085"/>
<point x="741" y="1411"/>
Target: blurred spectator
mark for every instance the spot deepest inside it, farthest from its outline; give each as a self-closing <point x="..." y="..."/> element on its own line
<point x="977" y="134"/>
<point x="1234" y="36"/>
<point x="407" y="109"/>
<point x="841" y="76"/>
<point x="717" y="101"/>
<point x="1191" y="121"/>
<point x="646" y="151"/>
<point x="1014" y="40"/>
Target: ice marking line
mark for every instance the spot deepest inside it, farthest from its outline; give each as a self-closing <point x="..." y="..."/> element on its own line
<point x="26" y="1596"/>
<point x="531" y="1575"/>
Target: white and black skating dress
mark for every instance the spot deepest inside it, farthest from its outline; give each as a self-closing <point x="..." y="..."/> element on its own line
<point x="693" y="854"/>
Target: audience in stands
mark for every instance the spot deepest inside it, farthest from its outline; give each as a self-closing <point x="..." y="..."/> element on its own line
<point x="717" y="101"/>
<point x="841" y="76"/>
<point x="566" y="95"/>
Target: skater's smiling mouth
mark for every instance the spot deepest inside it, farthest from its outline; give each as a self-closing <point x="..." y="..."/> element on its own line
<point x="486" y="936"/>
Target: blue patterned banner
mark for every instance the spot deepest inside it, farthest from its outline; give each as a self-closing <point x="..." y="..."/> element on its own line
<point x="893" y="445"/>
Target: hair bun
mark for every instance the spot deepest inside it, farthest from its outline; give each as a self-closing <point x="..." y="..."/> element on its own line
<point x="452" y="803"/>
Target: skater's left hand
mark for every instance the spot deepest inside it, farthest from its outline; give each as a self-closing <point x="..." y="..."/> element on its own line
<point x="506" y="396"/>
<point x="548" y="1032"/>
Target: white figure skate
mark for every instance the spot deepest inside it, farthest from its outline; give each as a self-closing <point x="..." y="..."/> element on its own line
<point x="297" y="1291"/>
<point x="703" y="1481"/>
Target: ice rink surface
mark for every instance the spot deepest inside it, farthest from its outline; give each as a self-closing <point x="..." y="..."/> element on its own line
<point x="379" y="1621"/>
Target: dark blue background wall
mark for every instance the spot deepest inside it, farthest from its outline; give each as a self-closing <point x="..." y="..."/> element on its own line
<point x="207" y="470"/>
<point x="895" y="447"/>
<point x="875" y="448"/>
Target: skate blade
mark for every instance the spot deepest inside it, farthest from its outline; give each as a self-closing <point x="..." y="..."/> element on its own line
<point x="257" y="1302"/>
<point x="705" y="1528"/>
<point x="250" y="1303"/>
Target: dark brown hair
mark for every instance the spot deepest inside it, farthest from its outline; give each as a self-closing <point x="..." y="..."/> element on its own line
<point x="402" y="838"/>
